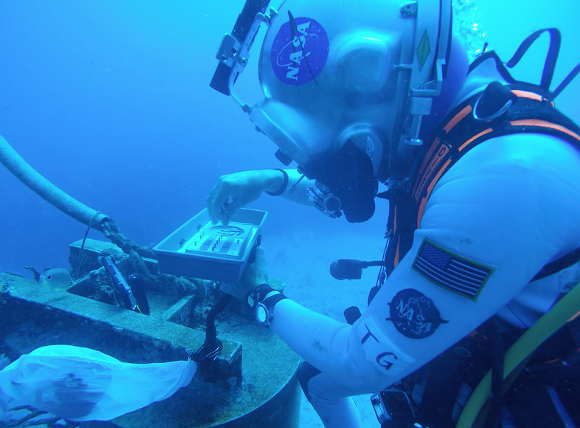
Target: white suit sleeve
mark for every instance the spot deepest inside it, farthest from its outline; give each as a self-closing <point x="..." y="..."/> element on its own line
<point x="506" y="209"/>
<point x="297" y="188"/>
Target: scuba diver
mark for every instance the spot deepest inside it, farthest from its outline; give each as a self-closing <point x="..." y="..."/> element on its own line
<point x="483" y="181"/>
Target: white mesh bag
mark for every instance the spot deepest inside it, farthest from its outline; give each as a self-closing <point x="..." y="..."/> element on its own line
<point x="82" y="384"/>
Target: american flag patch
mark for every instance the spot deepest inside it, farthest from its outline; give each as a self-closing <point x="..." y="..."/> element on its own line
<point x="450" y="271"/>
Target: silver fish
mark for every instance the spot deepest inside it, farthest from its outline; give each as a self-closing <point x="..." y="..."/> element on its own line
<point x="57" y="278"/>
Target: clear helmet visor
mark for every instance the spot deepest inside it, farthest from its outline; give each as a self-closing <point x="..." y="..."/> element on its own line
<point x="317" y="95"/>
<point x="330" y="74"/>
<point x="323" y="85"/>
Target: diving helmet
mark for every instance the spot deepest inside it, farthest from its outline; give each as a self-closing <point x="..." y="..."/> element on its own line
<point x="345" y="84"/>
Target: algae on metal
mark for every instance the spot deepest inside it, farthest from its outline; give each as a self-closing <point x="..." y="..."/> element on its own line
<point x="265" y="395"/>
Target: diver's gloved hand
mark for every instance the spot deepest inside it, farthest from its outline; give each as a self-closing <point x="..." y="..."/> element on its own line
<point x="233" y="191"/>
<point x="254" y="275"/>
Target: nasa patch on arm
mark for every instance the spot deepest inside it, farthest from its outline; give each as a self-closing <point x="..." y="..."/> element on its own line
<point x="414" y="315"/>
<point x="450" y="271"/>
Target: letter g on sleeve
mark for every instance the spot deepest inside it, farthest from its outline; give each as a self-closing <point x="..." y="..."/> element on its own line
<point x="380" y="351"/>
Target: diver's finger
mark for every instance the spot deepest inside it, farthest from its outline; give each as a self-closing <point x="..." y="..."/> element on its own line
<point x="224" y="218"/>
<point x="209" y="201"/>
<point x="216" y="202"/>
<point x="228" y="210"/>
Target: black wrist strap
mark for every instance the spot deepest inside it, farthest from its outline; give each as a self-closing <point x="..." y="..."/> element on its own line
<point x="271" y="301"/>
<point x="284" y="184"/>
<point x="258" y="294"/>
<point x="263" y="290"/>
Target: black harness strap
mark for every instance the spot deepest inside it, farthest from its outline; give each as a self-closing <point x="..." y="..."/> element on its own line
<point x="527" y="110"/>
<point x="559" y="264"/>
<point x="552" y="56"/>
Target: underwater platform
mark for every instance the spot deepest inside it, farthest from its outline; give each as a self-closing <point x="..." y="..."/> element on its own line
<point x="251" y="384"/>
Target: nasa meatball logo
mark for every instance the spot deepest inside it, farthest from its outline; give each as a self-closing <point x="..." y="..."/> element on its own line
<point x="414" y="315"/>
<point x="299" y="51"/>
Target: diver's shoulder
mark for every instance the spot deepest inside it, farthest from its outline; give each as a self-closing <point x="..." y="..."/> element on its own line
<point x="525" y="153"/>
<point x="544" y="147"/>
<point x="538" y="155"/>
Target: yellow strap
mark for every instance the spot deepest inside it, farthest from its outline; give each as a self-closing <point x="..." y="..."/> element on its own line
<point x="562" y="312"/>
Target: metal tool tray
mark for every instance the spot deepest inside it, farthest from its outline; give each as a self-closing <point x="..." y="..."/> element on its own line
<point x="200" y="249"/>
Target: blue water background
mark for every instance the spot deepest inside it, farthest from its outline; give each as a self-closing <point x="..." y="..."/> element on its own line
<point x="110" y="101"/>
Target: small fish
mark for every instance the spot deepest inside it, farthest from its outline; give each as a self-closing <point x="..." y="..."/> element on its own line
<point x="57" y="278"/>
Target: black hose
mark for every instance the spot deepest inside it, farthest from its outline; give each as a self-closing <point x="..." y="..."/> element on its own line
<point x="212" y="345"/>
<point x="210" y="329"/>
